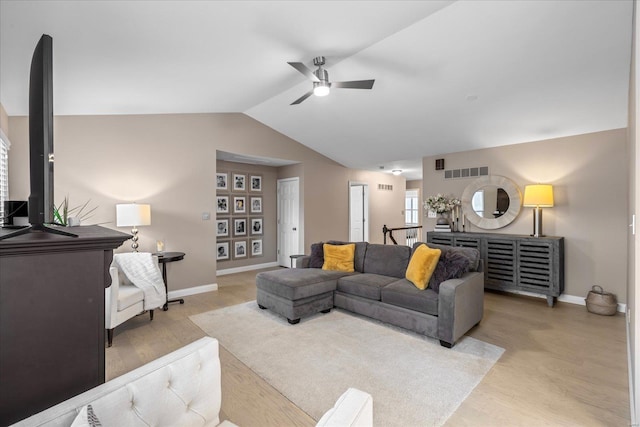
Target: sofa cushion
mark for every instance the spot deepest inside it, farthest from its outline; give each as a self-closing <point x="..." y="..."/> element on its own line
<point x="316" y="259"/>
<point x="358" y="259"/>
<point x="472" y="253"/>
<point x="297" y="283"/>
<point x="365" y="285"/>
<point x="388" y="260"/>
<point x="452" y="265"/>
<point x="403" y="293"/>
<point x="128" y="295"/>
<point x="86" y="418"/>
<point x="422" y="265"/>
<point x="339" y="257"/>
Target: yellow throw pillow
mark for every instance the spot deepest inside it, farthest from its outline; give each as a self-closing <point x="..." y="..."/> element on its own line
<point x="422" y="265"/>
<point x="339" y="257"/>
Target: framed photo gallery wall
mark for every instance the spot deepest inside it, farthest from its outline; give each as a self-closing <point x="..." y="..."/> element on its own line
<point x="239" y="215"/>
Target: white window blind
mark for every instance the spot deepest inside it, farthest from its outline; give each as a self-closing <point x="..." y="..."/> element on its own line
<point x="4" y="172"/>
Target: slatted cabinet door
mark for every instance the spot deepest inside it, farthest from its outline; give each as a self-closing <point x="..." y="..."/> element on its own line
<point x="537" y="272"/>
<point x="500" y="260"/>
<point x="515" y="262"/>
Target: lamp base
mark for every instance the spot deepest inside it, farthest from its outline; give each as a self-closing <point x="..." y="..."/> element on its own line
<point x="537" y="222"/>
<point x="134" y="239"/>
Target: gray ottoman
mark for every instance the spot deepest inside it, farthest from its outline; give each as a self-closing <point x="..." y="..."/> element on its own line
<point x="297" y="292"/>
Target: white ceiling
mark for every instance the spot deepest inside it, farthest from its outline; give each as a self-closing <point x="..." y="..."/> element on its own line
<point x="450" y="76"/>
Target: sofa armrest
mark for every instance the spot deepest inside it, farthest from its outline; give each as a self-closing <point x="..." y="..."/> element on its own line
<point x="353" y="409"/>
<point x="303" y="261"/>
<point x="460" y="306"/>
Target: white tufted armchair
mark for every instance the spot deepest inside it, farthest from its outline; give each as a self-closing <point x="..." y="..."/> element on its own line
<point x="181" y="389"/>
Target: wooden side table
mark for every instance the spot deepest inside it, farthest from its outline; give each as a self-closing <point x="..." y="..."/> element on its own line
<point x="164" y="258"/>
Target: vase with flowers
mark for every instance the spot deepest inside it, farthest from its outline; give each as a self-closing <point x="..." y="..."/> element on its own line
<point x="441" y="205"/>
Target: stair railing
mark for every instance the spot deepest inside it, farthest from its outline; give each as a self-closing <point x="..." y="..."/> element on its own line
<point x="406" y="235"/>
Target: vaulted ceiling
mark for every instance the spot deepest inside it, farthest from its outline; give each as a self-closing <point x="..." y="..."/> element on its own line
<point x="449" y="75"/>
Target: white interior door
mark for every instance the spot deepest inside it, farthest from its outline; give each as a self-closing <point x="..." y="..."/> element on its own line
<point x="358" y="212"/>
<point x="288" y="220"/>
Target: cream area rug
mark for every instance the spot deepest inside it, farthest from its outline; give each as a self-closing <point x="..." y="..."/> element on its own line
<point x="413" y="380"/>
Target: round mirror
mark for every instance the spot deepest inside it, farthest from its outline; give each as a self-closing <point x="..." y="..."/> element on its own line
<point x="491" y="202"/>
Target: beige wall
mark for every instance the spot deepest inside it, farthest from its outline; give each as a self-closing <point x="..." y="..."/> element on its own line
<point x="327" y="202"/>
<point x="414" y="184"/>
<point x="590" y="178"/>
<point x="169" y="161"/>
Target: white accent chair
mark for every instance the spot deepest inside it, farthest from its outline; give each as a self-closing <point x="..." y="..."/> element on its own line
<point x="182" y="389"/>
<point x="123" y="300"/>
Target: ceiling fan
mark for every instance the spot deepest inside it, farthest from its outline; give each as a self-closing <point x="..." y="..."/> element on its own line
<point x="321" y="83"/>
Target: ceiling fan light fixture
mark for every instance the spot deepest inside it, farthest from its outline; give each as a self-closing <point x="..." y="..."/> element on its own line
<point x="321" y="88"/>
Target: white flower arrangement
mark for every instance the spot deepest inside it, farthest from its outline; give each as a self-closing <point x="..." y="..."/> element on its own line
<point x="440" y="203"/>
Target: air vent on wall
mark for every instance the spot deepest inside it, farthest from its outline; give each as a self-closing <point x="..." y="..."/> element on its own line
<point x="466" y="172"/>
<point x="385" y="187"/>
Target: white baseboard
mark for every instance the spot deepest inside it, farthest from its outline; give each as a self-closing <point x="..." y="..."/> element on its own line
<point x="572" y="299"/>
<point x="180" y="293"/>
<point x="246" y="268"/>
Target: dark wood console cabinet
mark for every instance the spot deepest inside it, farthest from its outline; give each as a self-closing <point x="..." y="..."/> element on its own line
<point x="52" y="317"/>
<point x="515" y="262"/>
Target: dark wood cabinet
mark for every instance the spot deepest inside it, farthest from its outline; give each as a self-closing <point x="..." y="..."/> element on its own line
<point x="515" y="262"/>
<point x="52" y="317"/>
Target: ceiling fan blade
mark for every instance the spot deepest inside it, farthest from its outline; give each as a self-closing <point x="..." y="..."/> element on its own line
<point x="357" y="84"/>
<point x="304" y="70"/>
<point x="302" y="98"/>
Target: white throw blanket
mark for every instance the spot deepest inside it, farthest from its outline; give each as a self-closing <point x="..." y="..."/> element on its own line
<point x="145" y="274"/>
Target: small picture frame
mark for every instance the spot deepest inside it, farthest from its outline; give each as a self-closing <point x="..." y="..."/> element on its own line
<point x="222" y="227"/>
<point x="222" y="251"/>
<point x="239" y="204"/>
<point x="256" y="226"/>
<point x="222" y="204"/>
<point x="240" y="249"/>
<point x="222" y="179"/>
<point x="256" y="182"/>
<point x="256" y="205"/>
<point x="256" y="247"/>
<point x="240" y="227"/>
<point x="239" y="182"/>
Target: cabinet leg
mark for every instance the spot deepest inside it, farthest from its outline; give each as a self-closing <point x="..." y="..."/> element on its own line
<point x="551" y="301"/>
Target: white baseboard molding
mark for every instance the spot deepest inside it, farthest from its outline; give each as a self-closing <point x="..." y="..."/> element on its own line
<point x="246" y="268"/>
<point x="572" y="299"/>
<point x="181" y="293"/>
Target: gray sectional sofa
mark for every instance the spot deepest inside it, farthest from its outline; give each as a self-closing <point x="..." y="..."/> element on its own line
<point x="378" y="289"/>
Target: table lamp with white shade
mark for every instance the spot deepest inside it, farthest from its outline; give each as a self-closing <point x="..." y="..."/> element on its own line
<point x="133" y="215"/>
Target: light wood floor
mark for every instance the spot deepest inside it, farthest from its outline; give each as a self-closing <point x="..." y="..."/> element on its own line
<point x="562" y="366"/>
